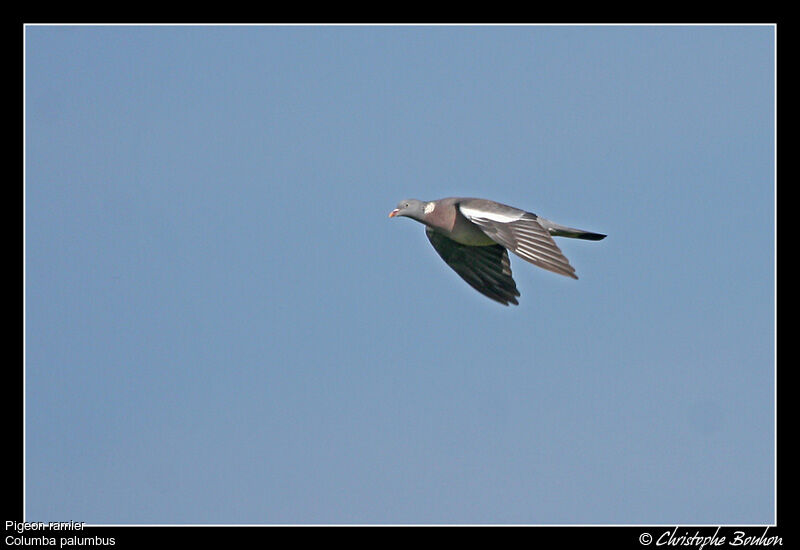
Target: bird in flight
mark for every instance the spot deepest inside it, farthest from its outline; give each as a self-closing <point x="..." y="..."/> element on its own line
<point x="473" y="237"/>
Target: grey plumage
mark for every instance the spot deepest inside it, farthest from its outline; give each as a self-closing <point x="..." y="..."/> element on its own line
<point x="472" y="235"/>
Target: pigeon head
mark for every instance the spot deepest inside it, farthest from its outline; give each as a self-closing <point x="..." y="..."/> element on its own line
<point x="411" y="208"/>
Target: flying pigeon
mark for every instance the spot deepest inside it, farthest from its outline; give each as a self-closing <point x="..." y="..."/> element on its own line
<point x="472" y="236"/>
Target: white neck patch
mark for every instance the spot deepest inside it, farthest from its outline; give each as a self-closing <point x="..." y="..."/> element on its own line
<point x="429" y="207"/>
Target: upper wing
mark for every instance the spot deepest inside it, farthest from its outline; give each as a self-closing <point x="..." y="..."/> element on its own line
<point x="520" y="232"/>
<point x="485" y="268"/>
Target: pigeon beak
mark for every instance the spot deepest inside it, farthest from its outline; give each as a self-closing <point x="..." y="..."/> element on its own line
<point x="394" y="212"/>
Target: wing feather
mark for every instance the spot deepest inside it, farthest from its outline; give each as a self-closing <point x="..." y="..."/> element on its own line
<point x="487" y="269"/>
<point x="520" y="232"/>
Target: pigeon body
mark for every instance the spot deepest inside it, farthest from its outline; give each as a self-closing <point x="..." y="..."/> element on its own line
<point x="473" y="237"/>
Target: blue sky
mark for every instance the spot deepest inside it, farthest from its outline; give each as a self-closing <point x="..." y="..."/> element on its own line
<point x="223" y="326"/>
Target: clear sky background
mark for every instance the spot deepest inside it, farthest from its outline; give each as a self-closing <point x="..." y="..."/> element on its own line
<point x="223" y="326"/>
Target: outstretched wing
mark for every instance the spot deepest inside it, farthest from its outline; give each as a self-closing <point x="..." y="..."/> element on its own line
<point x="486" y="268"/>
<point x="520" y="232"/>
